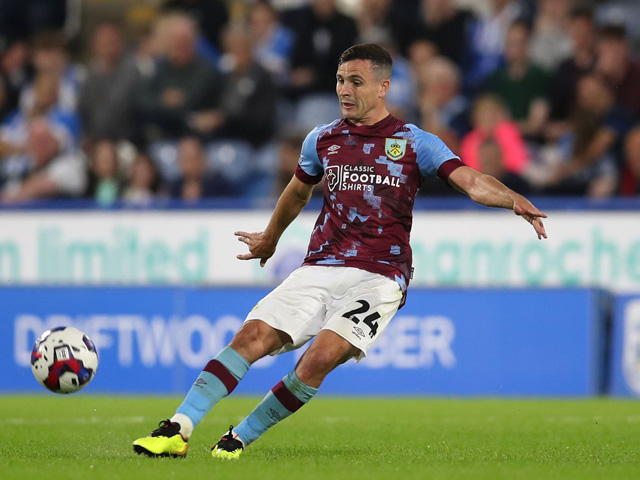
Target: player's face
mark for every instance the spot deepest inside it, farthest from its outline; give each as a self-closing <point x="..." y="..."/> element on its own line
<point x="360" y="92"/>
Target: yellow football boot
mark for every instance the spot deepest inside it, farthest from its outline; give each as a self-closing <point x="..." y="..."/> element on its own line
<point x="229" y="447"/>
<point x="164" y="441"/>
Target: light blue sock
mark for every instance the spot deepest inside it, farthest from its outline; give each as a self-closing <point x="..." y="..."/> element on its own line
<point x="216" y="381"/>
<point x="284" y="399"/>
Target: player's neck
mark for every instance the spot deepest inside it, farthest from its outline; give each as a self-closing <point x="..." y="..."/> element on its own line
<point x="371" y="119"/>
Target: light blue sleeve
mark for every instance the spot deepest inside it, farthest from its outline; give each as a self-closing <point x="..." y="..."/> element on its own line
<point x="431" y="152"/>
<point x="309" y="161"/>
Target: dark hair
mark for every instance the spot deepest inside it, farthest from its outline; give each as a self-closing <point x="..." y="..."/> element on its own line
<point x="378" y="56"/>
<point x="48" y="40"/>
<point x="613" y="31"/>
<point x="582" y="11"/>
<point x="523" y="24"/>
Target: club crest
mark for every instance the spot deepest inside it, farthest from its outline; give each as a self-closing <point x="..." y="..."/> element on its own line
<point x="395" y="148"/>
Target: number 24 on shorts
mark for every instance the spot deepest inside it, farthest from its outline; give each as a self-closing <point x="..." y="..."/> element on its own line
<point x="370" y="320"/>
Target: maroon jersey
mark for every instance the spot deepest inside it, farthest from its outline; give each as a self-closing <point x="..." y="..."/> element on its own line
<point x="372" y="174"/>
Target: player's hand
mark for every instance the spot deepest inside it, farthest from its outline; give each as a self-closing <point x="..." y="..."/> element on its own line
<point x="531" y="214"/>
<point x="260" y="246"/>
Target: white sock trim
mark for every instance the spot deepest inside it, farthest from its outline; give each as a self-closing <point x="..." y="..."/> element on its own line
<point x="186" y="425"/>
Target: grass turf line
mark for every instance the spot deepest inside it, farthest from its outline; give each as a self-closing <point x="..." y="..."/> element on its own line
<point x="83" y="436"/>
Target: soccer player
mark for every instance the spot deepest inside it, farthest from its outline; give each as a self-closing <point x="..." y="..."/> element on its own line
<point x="355" y="275"/>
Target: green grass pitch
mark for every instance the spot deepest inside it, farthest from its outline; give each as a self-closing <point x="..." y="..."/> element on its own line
<point x="89" y="437"/>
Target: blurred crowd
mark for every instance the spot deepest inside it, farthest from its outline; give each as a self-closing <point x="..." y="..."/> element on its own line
<point x="215" y="97"/>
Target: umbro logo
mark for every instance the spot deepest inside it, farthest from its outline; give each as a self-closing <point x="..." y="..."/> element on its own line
<point x="333" y="149"/>
<point x="200" y="382"/>
<point x="275" y="415"/>
<point x="358" y="332"/>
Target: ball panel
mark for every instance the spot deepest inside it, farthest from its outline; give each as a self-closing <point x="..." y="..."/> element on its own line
<point x="64" y="359"/>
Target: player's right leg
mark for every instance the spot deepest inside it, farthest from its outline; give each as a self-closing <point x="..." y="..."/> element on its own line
<point x="294" y="391"/>
<point x="218" y="379"/>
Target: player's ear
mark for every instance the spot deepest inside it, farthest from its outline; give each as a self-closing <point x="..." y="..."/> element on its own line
<point x="384" y="87"/>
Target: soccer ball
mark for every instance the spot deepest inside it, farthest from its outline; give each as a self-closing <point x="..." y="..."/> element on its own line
<point x="64" y="359"/>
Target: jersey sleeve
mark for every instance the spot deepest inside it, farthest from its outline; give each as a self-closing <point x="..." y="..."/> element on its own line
<point x="310" y="169"/>
<point x="431" y="152"/>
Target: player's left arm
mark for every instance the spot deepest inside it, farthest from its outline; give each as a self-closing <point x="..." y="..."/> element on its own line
<point x="487" y="190"/>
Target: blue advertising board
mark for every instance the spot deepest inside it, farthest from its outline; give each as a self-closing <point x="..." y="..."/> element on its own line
<point x="516" y="342"/>
<point x="624" y="365"/>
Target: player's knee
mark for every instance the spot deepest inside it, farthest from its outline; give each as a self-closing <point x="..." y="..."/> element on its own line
<point x="248" y="334"/>
<point x="254" y="340"/>
<point x="317" y="363"/>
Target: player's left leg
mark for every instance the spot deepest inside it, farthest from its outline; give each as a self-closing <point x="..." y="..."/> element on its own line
<point x="217" y="380"/>
<point x="296" y="389"/>
<point x="359" y="306"/>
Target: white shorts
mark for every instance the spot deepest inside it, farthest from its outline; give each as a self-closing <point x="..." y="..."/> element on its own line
<point x="354" y="303"/>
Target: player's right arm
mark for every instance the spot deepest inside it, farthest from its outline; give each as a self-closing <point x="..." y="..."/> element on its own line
<point x="295" y="196"/>
<point x="262" y="245"/>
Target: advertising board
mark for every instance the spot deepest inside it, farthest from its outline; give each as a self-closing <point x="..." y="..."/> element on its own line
<point x="476" y="248"/>
<point x="515" y="342"/>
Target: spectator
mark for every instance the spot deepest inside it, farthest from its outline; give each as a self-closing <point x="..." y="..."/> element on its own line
<point x="248" y="104"/>
<point x="210" y="15"/>
<point x="14" y="131"/>
<point x="521" y="84"/>
<point x="273" y="42"/>
<point x="562" y="92"/>
<point x="597" y="179"/>
<point x="51" y="57"/>
<point x="387" y="19"/>
<point x="587" y="153"/>
<point x="45" y="103"/>
<point x="630" y="179"/>
<point x="148" y="52"/>
<point x="144" y="182"/>
<point x="107" y="98"/>
<point x="183" y="91"/>
<point x="550" y="40"/>
<point x="492" y="163"/>
<point x="447" y="27"/>
<point x="373" y="20"/>
<point x="421" y="52"/>
<point x="14" y="72"/>
<point x="401" y="97"/>
<point x="488" y="39"/>
<point x="322" y="34"/>
<point x="621" y="12"/>
<point x="104" y="176"/>
<point x="444" y="110"/>
<point x="491" y="120"/>
<point x="621" y="72"/>
<point x="53" y="173"/>
<point x="195" y="182"/>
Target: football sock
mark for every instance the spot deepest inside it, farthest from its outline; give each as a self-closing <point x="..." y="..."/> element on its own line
<point x="284" y="399"/>
<point x="216" y="381"/>
<point x="186" y="425"/>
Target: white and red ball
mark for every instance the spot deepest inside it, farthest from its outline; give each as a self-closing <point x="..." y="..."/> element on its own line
<point x="64" y="359"/>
